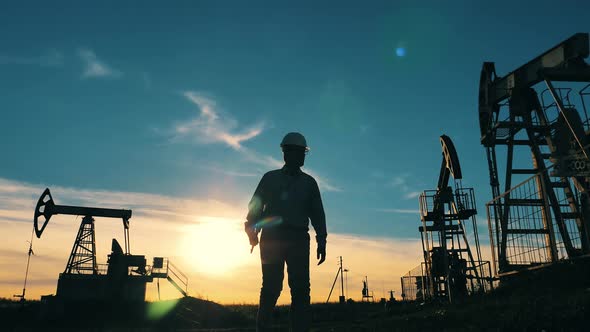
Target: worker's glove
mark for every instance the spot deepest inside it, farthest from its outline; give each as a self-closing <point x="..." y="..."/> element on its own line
<point x="252" y="233"/>
<point x="321" y="253"/>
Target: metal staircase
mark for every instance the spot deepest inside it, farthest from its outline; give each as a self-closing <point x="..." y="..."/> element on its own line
<point x="162" y="268"/>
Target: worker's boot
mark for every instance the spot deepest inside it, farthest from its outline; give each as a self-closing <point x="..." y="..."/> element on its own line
<point x="265" y="310"/>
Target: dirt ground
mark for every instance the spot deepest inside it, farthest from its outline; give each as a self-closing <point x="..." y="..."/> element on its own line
<point x="550" y="299"/>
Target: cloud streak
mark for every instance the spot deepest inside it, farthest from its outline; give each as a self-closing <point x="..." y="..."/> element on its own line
<point x="94" y="67"/>
<point x="17" y="202"/>
<point x="214" y="127"/>
<point x="211" y="126"/>
<point x="412" y="194"/>
<point x="323" y="183"/>
<point x="400" y="182"/>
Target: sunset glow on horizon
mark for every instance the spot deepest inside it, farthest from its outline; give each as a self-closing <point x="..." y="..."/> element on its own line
<point x="212" y="251"/>
<point x="214" y="246"/>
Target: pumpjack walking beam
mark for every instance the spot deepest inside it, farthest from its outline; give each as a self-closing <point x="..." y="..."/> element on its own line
<point x="528" y="125"/>
<point x="564" y="62"/>
<point x="126" y="275"/>
<point x="83" y="255"/>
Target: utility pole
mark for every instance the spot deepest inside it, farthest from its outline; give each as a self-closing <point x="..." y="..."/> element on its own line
<point x="342" y="297"/>
<point x="366" y="293"/>
<point x="340" y="272"/>
<point x="22" y="296"/>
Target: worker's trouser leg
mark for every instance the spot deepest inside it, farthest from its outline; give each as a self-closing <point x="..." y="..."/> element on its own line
<point x="297" y="258"/>
<point x="273" y="264"/>
<point x="275" y="251"/>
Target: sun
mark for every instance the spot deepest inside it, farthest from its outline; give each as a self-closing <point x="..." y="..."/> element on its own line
<point x="215" y="246"/>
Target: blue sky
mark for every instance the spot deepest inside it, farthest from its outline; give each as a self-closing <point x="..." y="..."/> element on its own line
<point x="330" y="71"/>
<point x="191" y="99"/>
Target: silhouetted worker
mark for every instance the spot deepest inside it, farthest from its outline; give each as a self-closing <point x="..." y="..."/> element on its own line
<point x="283" y="203"/>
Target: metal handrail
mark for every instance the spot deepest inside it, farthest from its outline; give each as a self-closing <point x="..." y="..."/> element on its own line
<point x="547" y="168"/>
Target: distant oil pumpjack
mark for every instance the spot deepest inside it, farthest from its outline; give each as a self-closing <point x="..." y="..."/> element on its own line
<point x="123" y="278"/>
<point x="451" y="269"/>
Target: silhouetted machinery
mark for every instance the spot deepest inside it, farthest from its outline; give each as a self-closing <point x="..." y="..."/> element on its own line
<point x="451" y="270"/>
<point x="367" y="293"/>
<point x="124" y="277"/>
<point x="542" y="214"/>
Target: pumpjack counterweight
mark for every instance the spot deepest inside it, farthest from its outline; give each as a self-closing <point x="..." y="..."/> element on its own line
<point x="542" y="213"/>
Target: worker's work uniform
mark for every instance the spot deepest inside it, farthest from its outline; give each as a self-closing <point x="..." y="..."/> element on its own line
<point x="283" y="203"/>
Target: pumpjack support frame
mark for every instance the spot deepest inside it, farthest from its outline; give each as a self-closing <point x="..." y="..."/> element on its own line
<point x="450" y="268"/>
<point x="542" y="213"/>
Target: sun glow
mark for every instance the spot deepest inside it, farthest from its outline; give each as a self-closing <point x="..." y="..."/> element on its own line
<point x="215" y="245"/>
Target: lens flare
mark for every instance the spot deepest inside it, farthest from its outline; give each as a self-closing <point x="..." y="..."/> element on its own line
<point x="269" y="222"/>
<point x="400" y="52"/>
<point x="157" y="310"/>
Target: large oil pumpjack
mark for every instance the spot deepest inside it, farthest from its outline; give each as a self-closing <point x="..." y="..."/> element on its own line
<point x="122" y="279"/>
<point x="451" y="269"/>
<point x="542" y="213"/>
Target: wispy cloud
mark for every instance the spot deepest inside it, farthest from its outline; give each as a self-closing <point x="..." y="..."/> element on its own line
<point x="22" y="197"/>
<point x="94" y="67"/>
<point x="323" y="183"/>
<point x="51" y="58"/>
<point x="412" y="194"/>
<point x="211" y="126"/>
<point x="400" y="182"/>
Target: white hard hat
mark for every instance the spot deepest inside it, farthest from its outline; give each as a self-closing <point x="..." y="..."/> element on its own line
<point x="295" y="139"/>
